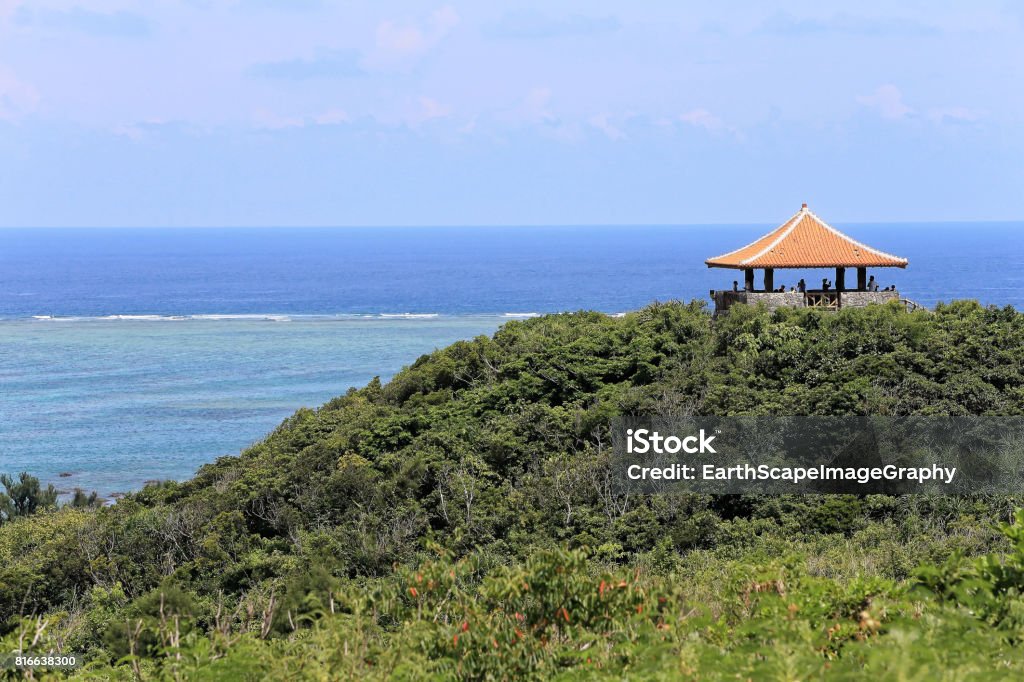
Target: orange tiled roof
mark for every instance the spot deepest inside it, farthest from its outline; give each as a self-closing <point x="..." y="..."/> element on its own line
<point x="806" y="241"/>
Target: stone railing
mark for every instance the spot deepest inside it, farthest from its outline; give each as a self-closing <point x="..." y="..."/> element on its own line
<point x="830" y="299"/>
<point x="859" y="299"/>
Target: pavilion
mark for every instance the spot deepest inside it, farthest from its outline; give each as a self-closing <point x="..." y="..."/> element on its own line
<point x="805" y="241"/>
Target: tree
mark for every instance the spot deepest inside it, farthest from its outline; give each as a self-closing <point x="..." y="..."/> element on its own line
<point x="24" y="497"/>
<point x="83" y="501"/>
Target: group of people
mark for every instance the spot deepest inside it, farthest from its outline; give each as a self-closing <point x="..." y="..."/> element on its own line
<point x="826" y="285"/>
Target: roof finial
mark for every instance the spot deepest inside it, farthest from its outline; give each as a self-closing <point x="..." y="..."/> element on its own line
<point x="803" y="206"/>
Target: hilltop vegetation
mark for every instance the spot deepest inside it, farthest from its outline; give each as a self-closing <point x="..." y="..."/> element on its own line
<point x="459" y="521"/>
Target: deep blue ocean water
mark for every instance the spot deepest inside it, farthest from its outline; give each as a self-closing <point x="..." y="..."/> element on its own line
<point x="129" y="355"/>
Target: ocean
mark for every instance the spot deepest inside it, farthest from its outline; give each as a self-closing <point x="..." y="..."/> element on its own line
<point x="135" y="355"/>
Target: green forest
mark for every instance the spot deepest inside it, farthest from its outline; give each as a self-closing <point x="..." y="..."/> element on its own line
<point x="459" y="522"/>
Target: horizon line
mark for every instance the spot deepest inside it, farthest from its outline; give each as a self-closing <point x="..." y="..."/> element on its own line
<point x="487" y="226"/>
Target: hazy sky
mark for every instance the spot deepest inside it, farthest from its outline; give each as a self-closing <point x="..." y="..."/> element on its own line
<point x="309" y="112"/>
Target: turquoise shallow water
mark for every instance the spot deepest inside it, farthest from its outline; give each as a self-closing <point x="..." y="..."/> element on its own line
<point x="119" y="402"/>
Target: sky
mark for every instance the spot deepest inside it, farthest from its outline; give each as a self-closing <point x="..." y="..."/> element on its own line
<point x="508" y="112"/>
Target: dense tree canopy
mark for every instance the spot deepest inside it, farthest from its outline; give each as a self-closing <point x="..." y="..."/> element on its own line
<point x="458" y="520"/>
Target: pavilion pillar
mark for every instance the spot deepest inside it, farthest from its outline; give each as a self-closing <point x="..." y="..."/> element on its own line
<point x="769" y="279"/>
<point x="840" y="279"/>
<point x="748" y="279"/>
<point x="862" y="279"/>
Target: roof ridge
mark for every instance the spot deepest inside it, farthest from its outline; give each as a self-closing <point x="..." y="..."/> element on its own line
<point x="787" y="229"/>
<point x="850" y="239"/>
<point x="780" y="227"/>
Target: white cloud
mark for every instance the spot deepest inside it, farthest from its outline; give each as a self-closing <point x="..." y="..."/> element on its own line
<point x="132" y="132"/>
<point x="534" y="107"/>
<point x="887" y="100"/>
<point x="534" y="111"/>
<point x="431" y="108"/>
<point x="268" y="120"/>
<point x="16" y="97"/>
<point x="325" y="64"/>
<point x="119" y="23"/>
<point x="702" y="118"/>
<point x="7" y="7"/>
<point x="531" y="24"/>
<point x="424" y="109"/>
<point x="785" y="24"/>
<point x="332" y="117"/>
<point x="602" y="123"/>
<point x="401" y="42"/>
<point x="139" y="130"/>
<point x="278" y="5"/>
<point x="955" y="115"/>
